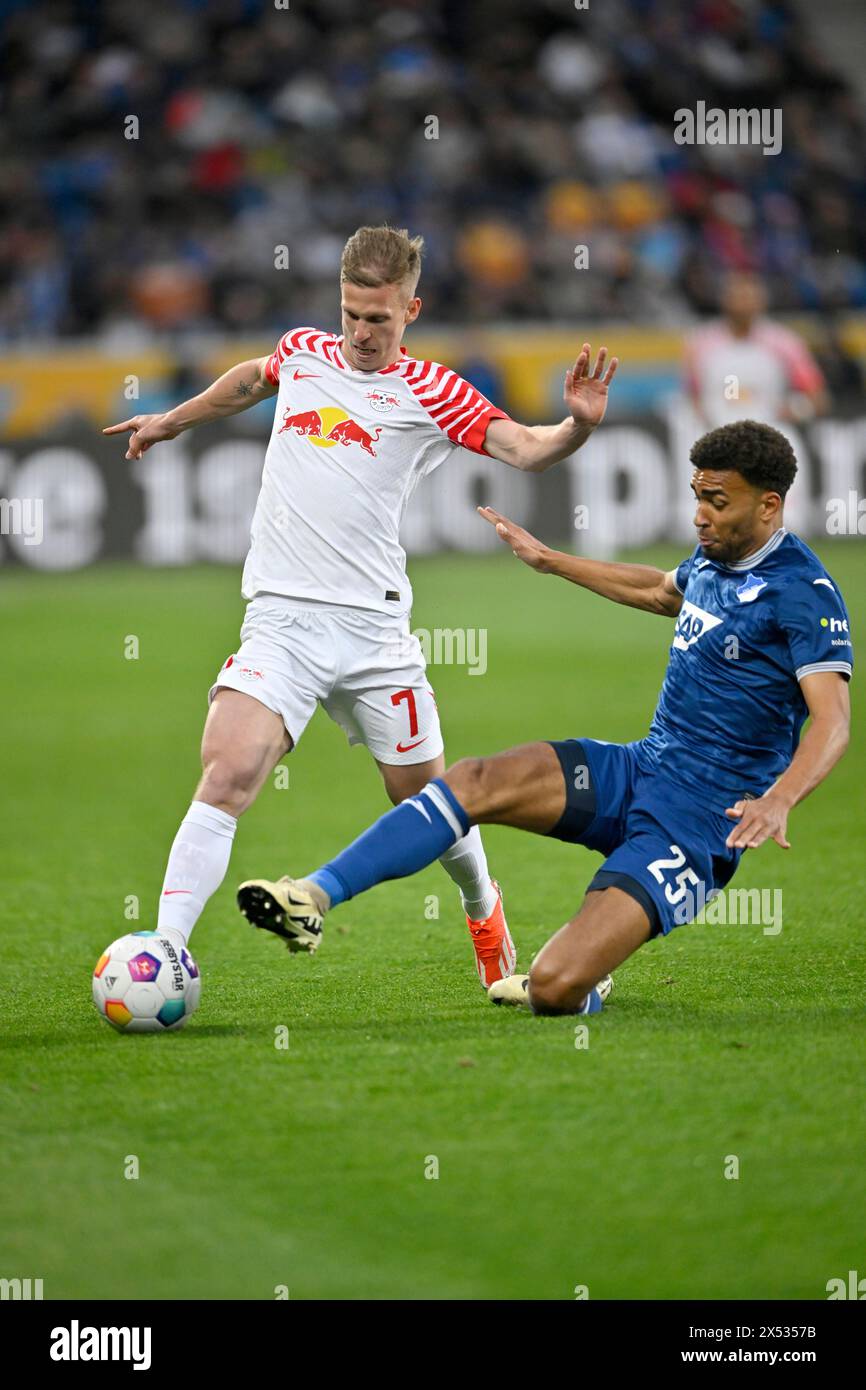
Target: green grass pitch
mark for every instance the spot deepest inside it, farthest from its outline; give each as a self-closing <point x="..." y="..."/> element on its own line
<point x="558" y="1167"/>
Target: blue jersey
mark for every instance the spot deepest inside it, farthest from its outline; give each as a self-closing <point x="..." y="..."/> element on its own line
<point x="730" y="710"/>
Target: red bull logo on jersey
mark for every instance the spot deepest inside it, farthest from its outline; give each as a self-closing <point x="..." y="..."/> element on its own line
<point x="329" y="426"/>
<point x="304" y="422"/>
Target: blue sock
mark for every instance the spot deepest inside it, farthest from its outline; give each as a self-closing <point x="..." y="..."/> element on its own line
<point x="401" y="842"/>
<point x="592" y="1003"/>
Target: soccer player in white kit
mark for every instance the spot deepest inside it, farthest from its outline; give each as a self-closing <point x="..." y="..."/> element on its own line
<point x="358" y="423"/>
<point x="744" y="364"/>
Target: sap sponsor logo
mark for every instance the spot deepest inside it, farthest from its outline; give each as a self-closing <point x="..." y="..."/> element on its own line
<point x="692" y="623"/>
<point x="752" y="586"/>
<point x="76" y="1343"/>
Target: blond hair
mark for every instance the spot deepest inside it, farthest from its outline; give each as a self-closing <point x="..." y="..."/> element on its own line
<point x="376" y="256"/>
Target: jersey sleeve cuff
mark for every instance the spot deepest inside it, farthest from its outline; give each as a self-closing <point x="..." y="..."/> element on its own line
<point x="474" y="437"/>
<point x="844" y="667"/>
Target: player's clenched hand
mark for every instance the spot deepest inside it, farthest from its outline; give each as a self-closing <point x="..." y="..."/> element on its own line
<point x="146" y="430"/>
<point x="524" y="545"/>
<point x="765" y="818"/>
<point x="585" y="394"/>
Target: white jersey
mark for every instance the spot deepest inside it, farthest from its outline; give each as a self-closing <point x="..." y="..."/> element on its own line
<point x="738" y="377"/>
<point x="346" y="452"/>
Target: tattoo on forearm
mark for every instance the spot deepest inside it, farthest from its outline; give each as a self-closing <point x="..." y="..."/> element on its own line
<point x="243" y="388"/>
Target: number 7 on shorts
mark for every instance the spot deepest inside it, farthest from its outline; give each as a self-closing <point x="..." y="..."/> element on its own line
<point x="409" y="697"/>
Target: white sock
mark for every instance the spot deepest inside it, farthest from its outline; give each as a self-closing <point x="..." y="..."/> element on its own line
<point x="196" y="866"/>
<point x="466" y="863"/>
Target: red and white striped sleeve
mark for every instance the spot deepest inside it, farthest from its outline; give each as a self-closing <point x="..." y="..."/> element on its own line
<point x="289" y="343"/>
<point x="802" y="370"/>
<point x="460" y="411"/>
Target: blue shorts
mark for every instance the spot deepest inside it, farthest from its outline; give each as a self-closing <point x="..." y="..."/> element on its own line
<point x="661" y="846"/>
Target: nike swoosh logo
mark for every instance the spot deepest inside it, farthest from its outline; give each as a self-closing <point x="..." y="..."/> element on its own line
<point x="302" y="376"/>
<point x="404" y="747"/>
<point x="167" y="892"/>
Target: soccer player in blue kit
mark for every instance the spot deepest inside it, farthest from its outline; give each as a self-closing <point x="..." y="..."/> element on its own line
<point x="761" y="642"/>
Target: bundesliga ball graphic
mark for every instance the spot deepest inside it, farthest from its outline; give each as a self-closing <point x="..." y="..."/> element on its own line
<point x="145" y="983"/>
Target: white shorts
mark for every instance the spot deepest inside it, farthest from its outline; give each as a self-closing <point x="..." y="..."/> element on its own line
<point x="365" y="669"/>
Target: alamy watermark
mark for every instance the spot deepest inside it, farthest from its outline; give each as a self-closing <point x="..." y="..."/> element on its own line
<point x="22" y="516"/>
<point x="442" y="646"/>
<point x="737" y="126"/>
<point x="755" y="907"/>
<point x="846" y="516"/>
<point x="77" y="1343"/>
<point x="23" y="1289"/>
<point x="854" y="1287"/>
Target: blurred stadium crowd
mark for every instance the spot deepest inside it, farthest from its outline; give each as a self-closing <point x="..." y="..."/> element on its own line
<point x="261" y="126"/>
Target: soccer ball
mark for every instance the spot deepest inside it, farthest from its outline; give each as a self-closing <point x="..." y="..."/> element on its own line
<point x="144" y="983"/>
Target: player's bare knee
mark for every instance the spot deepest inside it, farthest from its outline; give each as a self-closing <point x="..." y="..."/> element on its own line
<point x="553" y="990"/>
<point x="546" y="990"/>
<point x="229" y="785"/>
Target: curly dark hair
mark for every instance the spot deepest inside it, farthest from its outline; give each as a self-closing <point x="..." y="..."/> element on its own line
<point x="761" y="454"/>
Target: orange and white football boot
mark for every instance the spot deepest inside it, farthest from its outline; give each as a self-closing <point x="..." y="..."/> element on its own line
<point x="495" y="953"/>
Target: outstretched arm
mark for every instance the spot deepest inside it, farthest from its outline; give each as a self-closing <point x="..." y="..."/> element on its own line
<point x="822" y="745"/>
<point x="637" y="586"/>
<point x="237" y="389"/>
<point x="533" y="448"/>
